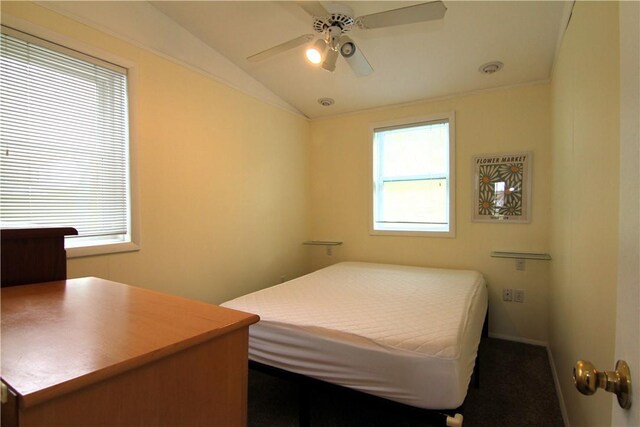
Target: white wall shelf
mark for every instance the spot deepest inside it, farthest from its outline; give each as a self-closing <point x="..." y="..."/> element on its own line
<point x="321" y="243"/>
<point x="521" y="255"/>
<point x="329" y="244"/>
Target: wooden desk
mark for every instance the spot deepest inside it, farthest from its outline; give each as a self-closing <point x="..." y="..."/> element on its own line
<point x="93" y="352"/>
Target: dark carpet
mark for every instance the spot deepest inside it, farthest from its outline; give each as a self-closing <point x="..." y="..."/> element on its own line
<point x="516" y="389"/>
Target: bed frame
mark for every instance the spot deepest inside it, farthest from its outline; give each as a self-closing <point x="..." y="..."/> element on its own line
<point x="444" y="417"/>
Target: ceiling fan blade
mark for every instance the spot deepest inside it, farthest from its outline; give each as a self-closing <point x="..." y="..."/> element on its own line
<point x="355" y="58"/>
<point x="298" y="41"/>
<point x="405" y="15"/>
<point x="313" y="8"/>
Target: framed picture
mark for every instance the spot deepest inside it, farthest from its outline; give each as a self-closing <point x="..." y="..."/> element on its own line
<point x="502" y="188"/>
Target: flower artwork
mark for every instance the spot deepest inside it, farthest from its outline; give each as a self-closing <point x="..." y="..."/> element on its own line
<point x="502" y="188"/>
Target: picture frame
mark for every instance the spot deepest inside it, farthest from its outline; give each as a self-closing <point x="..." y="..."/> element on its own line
<point x="502" y="188"/>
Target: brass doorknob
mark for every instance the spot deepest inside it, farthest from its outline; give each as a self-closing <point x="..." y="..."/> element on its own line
<point x="587" y="380"/>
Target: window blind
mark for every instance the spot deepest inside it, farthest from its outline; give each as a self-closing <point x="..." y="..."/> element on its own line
<point x="63" y="141"/>
<point x="412" y="189"/>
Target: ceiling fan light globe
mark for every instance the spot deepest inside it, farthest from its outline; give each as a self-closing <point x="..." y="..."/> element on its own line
<point x="314" y="56"/>
<point x="348" y="49"/>
<point x="315" y="51"/>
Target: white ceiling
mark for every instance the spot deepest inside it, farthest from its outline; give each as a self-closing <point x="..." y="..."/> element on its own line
<point x="411" y="62"/>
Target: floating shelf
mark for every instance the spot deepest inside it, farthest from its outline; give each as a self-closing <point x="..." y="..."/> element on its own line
<point x="521" y="255"/>
<point x="328" y="244"/>
<point x="321" y="243"/>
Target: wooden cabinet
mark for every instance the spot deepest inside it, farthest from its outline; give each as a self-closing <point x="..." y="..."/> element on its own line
<point x="93" y="352"/>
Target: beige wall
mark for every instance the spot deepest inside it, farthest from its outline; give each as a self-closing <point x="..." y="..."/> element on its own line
<point x="222" y="179"/>
<point x="508" y="120"/>
<point x="584" y="226"/>
<point x="229" y="187"/>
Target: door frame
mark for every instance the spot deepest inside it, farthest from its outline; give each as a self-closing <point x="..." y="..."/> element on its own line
<point x="628" y="282"/>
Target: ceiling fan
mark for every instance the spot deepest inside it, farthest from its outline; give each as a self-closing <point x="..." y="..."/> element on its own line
<point x="335" y="23"/>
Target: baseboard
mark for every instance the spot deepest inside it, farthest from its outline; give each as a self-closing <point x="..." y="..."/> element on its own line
<point x="552" y="364"/>
<point x="556" y="382"/>
<point x="518" y="339"/>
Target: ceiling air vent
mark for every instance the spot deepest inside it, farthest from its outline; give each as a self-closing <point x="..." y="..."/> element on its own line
<point x="326" y="102"/>
<point x="491" y="67"/>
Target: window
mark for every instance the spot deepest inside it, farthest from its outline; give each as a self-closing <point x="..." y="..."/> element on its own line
<point x="64" y="143"/>
<point x="413" y="174"/>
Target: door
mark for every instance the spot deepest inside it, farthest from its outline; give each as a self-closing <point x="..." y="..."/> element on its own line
<point x="628" y="301"/>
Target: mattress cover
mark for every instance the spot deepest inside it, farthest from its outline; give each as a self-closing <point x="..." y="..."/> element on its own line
<point x="409" y="334"/>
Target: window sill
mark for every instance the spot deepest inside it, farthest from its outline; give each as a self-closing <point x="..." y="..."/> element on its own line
<point x="401" y="233"/>
<point x="84" y="251"/>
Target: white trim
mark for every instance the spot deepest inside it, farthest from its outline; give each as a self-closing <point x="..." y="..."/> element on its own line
<point x="69" y="43"/>
<point x="84" y="251"/>
<point x="627" y="342"/>
<point x="449" y="117"/>
<point x="47" y="43"/>
<point x="134" y="196"/>
<point x="146" y="27"/>
<point x="567" y="10"/>
<point x="552" y="364"/>
<point x="518" y="339"/>
<point x="201" y="63"/>
<point x="433" y="99"/>
<point x="556" y="383"/>
<point x="55" y="37"/>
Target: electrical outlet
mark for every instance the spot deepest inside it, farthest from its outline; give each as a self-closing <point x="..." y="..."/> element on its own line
<point x="507" y="294"/>
<point x="520" y="264"/>
<point x="518" y="295"/>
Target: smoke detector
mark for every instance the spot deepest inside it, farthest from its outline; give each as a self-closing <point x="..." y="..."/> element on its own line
<point x="491" y="67"/>
<point x="326" y="102"/>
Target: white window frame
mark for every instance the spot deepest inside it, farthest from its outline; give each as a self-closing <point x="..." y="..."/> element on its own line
<point x="418" y="230"/>
<point x="52" y="40"/>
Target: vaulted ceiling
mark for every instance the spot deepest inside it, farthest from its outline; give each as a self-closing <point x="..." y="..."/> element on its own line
<point x="410" y="62"/>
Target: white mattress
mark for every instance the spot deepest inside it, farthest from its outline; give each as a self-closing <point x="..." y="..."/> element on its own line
<point x="407" y="334"/>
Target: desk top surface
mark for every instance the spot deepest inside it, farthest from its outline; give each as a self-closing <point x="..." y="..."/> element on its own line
<point x="61" y="336"/>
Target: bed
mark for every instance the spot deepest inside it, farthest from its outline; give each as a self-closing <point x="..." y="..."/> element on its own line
<point x="407" y="334"/>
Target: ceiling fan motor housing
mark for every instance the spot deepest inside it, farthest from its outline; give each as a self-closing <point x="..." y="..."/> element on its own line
<point x="333" y="20"/>
<point x="344" y="22"/>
